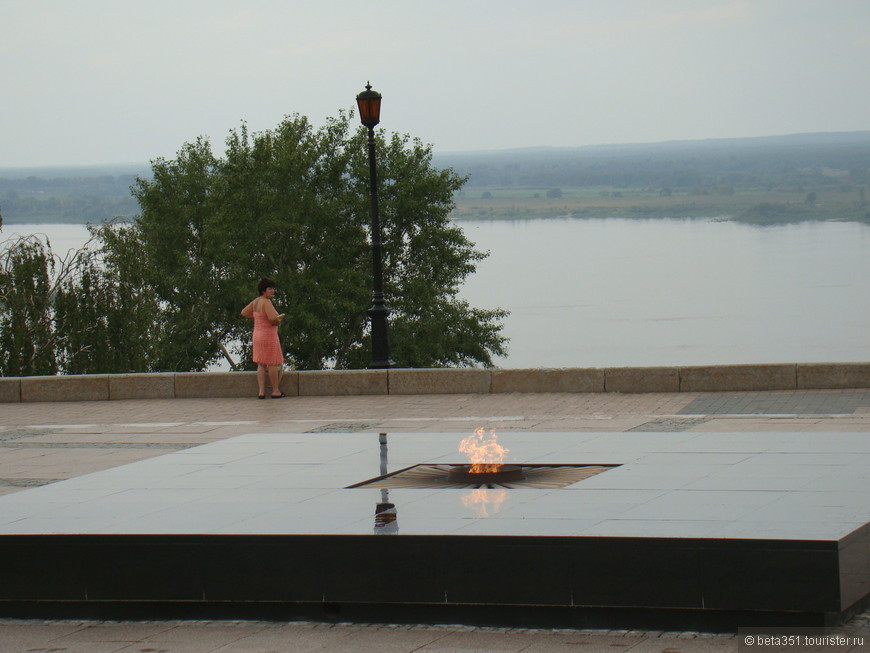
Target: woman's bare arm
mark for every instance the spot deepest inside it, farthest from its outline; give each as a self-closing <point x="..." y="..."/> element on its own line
<point x="271" y="313"/>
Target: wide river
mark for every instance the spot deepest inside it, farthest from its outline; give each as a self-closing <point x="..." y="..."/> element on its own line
<point x="615" y="292"/>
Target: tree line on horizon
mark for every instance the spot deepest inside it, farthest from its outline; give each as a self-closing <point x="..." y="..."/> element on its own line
<point x="802" y="163"/>
<point x="784" y="162"/>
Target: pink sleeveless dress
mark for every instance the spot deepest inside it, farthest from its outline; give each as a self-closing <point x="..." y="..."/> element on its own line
<point x="267" y="347"/>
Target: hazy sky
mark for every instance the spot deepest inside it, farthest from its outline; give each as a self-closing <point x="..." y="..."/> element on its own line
<point x="117" y="81"/>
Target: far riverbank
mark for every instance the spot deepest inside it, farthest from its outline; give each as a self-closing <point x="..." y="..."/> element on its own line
<point x="753" y="207"/>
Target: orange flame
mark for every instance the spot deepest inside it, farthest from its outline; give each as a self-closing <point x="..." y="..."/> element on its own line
<point x="484" y="455"/>
<point x="480" y="499"/>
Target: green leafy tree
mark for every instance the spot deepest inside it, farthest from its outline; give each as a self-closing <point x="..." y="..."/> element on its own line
<point x="27" y="341"/>
<point x="74" y="314"/>
<point x="106" y="319"/>
<point x="292" y="204"/>
<point x="164" y="292"/>
<point x="426" y="259"/>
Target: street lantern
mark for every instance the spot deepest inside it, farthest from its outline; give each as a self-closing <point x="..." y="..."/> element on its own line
<point x="369" y="104"/>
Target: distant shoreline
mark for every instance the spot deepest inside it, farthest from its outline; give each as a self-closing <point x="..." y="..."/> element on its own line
<point x="760" y="207"/>
<point x="765" y="180"/>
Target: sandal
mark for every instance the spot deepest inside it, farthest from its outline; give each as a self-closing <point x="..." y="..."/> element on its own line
<point x="278" y="396"/>
<point x="261" y="396"/>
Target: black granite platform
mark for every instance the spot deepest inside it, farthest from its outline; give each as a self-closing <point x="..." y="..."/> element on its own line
<point x="686" y="529"/>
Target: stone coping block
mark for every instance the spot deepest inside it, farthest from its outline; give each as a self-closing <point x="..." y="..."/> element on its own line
<point x="343" y="382"/>
<point x="142" y="386"/>
<point x="190" y="385"/>
<point x="78" y="387"/>
<point x="405" y="381"/>
<point x="642" y="379"/>
<point x="10" y="390"/>
<point x="721" y="378"/>
<point x="833" y="376"/>
<point x="548" y="380"/>
<point x="712" y="378"/>
<point x="289" y="383"/>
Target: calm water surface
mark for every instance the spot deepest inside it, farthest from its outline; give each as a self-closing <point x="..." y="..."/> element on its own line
<point x="613" y="292"/>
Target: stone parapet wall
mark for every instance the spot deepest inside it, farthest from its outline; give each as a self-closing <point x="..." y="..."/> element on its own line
<point x="712" y="378"/>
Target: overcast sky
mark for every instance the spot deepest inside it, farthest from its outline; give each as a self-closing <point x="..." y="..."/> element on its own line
<point x="117" y="81"/>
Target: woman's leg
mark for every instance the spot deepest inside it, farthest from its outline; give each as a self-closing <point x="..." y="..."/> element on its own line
<point x="261" y="379"/>
<point x="275" y="380"/>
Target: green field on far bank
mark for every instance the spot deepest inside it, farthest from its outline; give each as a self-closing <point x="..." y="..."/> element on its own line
<point x="759" y="206"/>
<point x="483" y="203"/>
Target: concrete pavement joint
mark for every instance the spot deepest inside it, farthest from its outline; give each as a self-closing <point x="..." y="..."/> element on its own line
<point x="339" y="420"/>
<point x="16" y="434"/>
<point x="342" y="427"/>
<point x="27" y="482"/>
<point x="342" y="625"/>
<point x="667" y="425"/>
<point x="174" y="446"/>
<point x="679" y="422"/>
<point x="151" y="424"/>
<point x="64" y="426"/>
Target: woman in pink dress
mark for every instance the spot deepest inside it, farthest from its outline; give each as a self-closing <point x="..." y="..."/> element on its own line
<point x="267" y="348"/>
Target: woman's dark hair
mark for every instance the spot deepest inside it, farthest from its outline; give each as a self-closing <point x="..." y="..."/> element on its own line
<point x="264" y="284"/>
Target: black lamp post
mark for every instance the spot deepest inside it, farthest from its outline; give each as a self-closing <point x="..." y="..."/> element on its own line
<point x="369" y="104"/>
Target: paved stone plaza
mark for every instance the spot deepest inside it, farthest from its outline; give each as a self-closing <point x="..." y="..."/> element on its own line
<point x="43" y="442"/>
